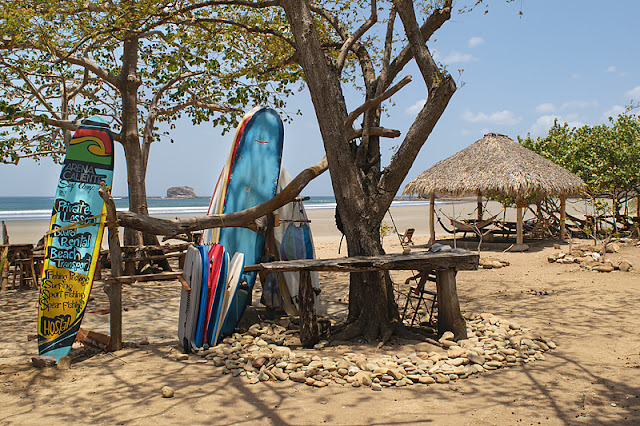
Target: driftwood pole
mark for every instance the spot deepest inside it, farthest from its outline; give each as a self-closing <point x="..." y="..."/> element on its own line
<point x="114" y="289"/>
<point x="432" y="226"/>
<point x="479" y="206"/>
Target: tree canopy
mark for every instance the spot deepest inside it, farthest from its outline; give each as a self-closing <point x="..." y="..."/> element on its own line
<point x="62" y="61"/>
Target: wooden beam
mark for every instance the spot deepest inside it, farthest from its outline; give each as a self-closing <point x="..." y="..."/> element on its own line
<point x="130" y="279"/>
<point x="519" y="224"/>
<point x="420" y="261"/>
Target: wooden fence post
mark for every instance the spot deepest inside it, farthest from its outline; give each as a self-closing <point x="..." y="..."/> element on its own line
<point x="113" y="290"/>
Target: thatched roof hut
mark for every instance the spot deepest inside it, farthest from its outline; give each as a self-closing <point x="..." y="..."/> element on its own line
<point x="496" y="165"/>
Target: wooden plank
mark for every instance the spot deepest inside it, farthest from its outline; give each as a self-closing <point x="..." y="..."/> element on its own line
<point x="419" y="261"/>
<point x="128" y="279"/>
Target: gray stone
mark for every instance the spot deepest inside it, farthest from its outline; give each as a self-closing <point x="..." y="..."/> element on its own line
<point x="298" y="376"/>
<point x="43" y="361"/>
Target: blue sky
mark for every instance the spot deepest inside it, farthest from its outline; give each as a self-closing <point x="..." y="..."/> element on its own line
<point x="575" y="60"/>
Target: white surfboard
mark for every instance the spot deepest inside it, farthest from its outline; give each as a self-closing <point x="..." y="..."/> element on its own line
<point x="190" y="300"/>
<point x="293" y="214"/>
<point x="234" y="272"/>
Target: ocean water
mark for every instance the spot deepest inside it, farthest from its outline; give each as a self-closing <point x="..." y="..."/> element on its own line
<point x="29" y="208"/>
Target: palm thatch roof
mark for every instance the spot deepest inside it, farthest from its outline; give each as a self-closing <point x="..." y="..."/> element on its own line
<point x="495" y="165"/>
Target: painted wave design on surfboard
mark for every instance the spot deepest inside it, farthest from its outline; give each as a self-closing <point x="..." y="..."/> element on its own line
<point x="71" y="254"/>
<point x="253" y="180"/>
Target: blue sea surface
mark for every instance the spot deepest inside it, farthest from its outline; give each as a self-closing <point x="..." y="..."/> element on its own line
<point x="29" y="208"/>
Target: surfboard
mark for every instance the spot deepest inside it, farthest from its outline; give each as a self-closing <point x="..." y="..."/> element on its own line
<point x="190" y="300"/>
<point x="202" y="303"/>
<point x="253" y="180"/>
<point x="294" y="241"/>
<point x="217" y="267"/>
<point x="211" y="236"/>
<point x="72" y="244"/>
<point x="234" y="274"/>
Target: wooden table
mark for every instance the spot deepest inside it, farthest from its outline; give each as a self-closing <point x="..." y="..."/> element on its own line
<point x="444" y="265"/>
<point x="16" y="253"/>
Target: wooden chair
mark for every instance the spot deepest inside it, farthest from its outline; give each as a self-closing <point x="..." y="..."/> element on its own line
<point x="405" y="239"/>
<point x="420" y="293"/>
<point x="25" y="273"/>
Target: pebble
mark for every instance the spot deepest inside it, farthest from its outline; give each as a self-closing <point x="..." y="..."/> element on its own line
<point x="167" y="392"/>
<point x="376" y="387"/>
<point x="43" y="361"/>
<point x="64" y="363"/>
<point x="493" y="343"/>
<point x="182" y="357"/>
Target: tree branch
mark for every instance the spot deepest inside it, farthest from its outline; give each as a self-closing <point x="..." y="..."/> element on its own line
<point x="349" y="42"/>
<point x="372" y="103"/>
<point x="245" y="218"/>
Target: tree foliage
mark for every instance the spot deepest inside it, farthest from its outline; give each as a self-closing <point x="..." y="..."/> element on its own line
<point x="606" y="157"/>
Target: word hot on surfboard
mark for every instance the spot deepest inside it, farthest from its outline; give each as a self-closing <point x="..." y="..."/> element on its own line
<point x="72" y="245"/>
<point x="253" y="179"/>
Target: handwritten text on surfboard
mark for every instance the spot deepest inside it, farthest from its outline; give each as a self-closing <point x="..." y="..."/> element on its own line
<point x="83" y="173"/>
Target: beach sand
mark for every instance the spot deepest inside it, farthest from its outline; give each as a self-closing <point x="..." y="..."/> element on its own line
<point x="592" y="377"/>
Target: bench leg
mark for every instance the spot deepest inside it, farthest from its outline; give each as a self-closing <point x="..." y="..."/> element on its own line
<point x="309" y="333"/>
<point x="449" y="316"/>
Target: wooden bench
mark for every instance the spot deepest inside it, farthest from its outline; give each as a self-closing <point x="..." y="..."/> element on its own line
<point x="443" y="265"/>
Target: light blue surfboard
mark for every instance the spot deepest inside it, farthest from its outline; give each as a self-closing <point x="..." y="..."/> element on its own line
<point x="254" y="180"/>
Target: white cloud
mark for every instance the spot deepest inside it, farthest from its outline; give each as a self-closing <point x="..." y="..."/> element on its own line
<point x="633" y="93"/>
<point x="415" y="108"/>
<point x="475" y="41"/>
<point x="545" y="122"/>
<point x="614" y="111"/>
<point x="456" y="57"/>
<point x="611" y="68"/>
<point x="546" y="108"/>
<point x="504" y="117"/>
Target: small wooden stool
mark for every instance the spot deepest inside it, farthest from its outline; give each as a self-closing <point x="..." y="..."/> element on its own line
<point x="25" y="271"/>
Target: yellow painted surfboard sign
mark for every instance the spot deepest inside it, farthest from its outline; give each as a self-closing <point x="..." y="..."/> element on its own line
<point x="72" y="245"/>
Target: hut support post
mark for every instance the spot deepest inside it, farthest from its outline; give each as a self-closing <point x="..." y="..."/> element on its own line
<point x="563" y="217"/>
<point x="519" y="224"/>
<point x="432" y="226"/>
<point x="479" y="206"/>
<point x="449" y="316"/>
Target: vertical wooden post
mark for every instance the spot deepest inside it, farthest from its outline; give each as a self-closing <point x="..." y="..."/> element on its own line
<point x="5" y="234"/>
<point x="449" y="316"/>
<point x="309" y="333"/>
<point x="432" y="226"/>
<point x="563" y="217"/>
<point x="519" y="224"/>
<point x="4" y="269"/>
<point x="114" y="291"/>
<point x="479" y="206"/>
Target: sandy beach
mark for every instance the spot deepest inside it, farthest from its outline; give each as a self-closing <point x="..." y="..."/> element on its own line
<point x="591" y="378"/>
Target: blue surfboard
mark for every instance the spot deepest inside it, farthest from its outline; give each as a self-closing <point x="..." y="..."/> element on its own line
<point x="253" y="180"/>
